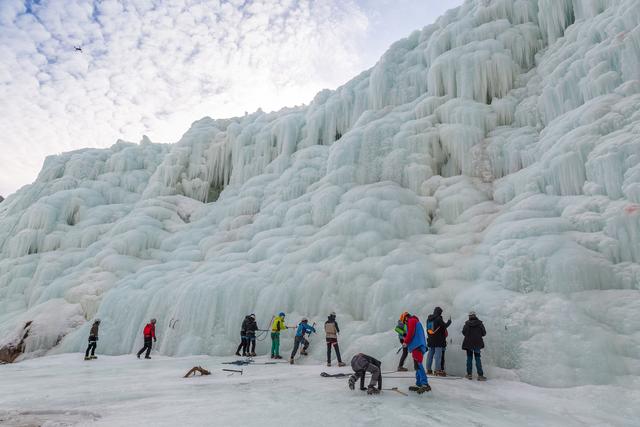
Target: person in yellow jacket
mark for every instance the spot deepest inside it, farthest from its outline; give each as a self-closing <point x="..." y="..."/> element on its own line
<point x="276" y="327"/>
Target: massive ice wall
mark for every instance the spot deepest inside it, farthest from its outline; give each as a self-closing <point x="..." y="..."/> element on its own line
<point x="488" y="162"/>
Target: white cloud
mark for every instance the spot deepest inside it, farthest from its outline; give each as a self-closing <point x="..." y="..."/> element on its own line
<point x="153" y="67"/>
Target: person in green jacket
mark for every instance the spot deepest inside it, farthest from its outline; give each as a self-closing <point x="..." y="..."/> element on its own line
<point x="276" y="327"/>
<point x="401" y="330"/>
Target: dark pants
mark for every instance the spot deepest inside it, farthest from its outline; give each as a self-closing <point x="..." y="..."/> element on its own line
<point x="333" y="342"/>
<point x="243" y="345"/>
<point x="403" y="357"/>
<point x="296" y="345"/>
<point x="249" y="342"/>
<point x="470" y="355"/>
<point x="92" y="347"/>
<point x="147" y="346"/>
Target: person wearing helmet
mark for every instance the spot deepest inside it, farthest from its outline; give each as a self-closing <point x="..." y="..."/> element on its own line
<point x="416" y="343"/>
<point x="276" y="327"/>
<point x="149" y="333"/>
<point x="331" y="331"/>
<point x="473" y="343"/>
<point x="303" y="328"/>
<point x="401" y="330"/>
<point x="93" y="341"/>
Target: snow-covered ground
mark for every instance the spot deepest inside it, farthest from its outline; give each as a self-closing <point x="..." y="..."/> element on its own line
<point x="488" y="162"/>
<point x="125" y="391"/>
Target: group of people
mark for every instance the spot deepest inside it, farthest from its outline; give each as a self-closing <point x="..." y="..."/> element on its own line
<point x="410" y="330"/>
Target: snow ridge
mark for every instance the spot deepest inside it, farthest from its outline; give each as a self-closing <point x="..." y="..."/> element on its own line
<point x="488" y="162"/>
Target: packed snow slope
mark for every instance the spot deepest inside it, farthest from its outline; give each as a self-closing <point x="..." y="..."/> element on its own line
<point x="488" y="162"/>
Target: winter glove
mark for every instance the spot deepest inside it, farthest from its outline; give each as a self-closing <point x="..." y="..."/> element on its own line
<point x="404" y="345"/>
<point x="154" y="339"/>
<point x="352" y="382"/>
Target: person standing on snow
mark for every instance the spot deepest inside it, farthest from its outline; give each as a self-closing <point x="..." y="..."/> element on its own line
<point x="250" y="332"/>
<point x="361" y="364"/>
<point x="303" y="328"/>
<point x="436" y="340"/>
<point x="93" y="341"/>
<point x="276" y="327"/>
<point x="243" y="338"/>
<point x="415" y="342"/>
<point x="331" y="331"/>
<point x="473" y="332"/>
<point x="149" y="333"/>
<point x="401" y="330"/>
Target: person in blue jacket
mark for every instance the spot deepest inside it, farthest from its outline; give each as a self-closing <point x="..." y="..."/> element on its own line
<point x="416" y="343"/>
<point x="303" y="328"/>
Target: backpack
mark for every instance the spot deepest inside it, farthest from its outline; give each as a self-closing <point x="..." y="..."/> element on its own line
<point x="430" y="330"/>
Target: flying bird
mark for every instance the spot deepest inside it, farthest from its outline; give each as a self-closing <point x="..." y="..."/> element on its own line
<point x="78" y="48"/>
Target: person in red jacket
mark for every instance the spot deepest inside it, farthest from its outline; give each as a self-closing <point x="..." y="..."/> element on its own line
<point x="149" y="333"/>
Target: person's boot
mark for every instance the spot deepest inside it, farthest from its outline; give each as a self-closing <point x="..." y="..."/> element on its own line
<point x="253" y="354"/>
<point x="439" y="373"/>
<point x="93" y="356"/>
<point x="237" y="353"/>
<point x="277" y="356"/>
<point x="291" y="361"/>
<point x="469" y="376"/>
<point x="138" y="355"/>
<point x="425" y="388"/>
<point x="402" y="369"/>
<point x="429" y="372"/>
<point x="147" y="357"/>
<point x="304" y="353"/>
<point x="341" y="364"/>
<point x="272" y="356"/>
<point x="329" y="364"/>
<point x="372" y="390"/>
<point x="482" y="378"/>
<point x="87" y="358"/>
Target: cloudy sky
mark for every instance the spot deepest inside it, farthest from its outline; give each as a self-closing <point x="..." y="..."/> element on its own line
<point x="153" y="67"/>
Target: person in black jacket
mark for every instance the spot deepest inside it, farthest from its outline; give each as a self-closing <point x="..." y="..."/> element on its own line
<point x="243" y="338"/>
<point x="361" y="364"/>
<point x="93" y="341"/>
<point x="436" y="341"/>
<point x="473" y="332"/>
<point x="250" y="333"/>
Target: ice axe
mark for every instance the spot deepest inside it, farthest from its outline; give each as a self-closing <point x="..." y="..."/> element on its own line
<point x="233" y="371"/>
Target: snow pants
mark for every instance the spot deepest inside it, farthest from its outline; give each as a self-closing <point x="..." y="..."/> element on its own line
<point x="93" y="342"/>
<point x="361" y="366"/>
<point x="296" y="345"/>
<point x="275" y="344"/>
<point x="470" y="355"/>
<point x="421" y="375"/>
<point x="333" y="342"/>
<point x="435" y="352"/>
<point x="147" y="346"/>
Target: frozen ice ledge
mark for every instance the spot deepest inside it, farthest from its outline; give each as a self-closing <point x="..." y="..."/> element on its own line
<point x="489" y="162"/>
